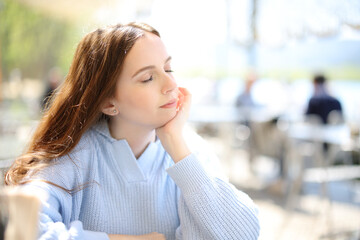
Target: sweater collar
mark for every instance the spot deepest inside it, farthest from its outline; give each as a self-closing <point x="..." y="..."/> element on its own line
<point x="132" y="169"/>
<point x="103" y="128"/>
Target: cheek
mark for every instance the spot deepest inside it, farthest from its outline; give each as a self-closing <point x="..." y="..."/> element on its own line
<point x="142" y="101"/>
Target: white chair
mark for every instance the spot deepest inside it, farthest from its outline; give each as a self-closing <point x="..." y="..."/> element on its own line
<point x="18" y="215"/>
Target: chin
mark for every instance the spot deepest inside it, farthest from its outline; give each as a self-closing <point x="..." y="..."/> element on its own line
<point x="166" y="119"/>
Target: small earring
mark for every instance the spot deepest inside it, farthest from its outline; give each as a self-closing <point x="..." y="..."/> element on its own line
<point x="115" y="111"/>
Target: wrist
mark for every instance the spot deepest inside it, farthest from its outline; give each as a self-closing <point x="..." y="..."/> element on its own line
<point x="180" y="153"/>
<point x="176" y="147"/>
<point x="179" y="150"/>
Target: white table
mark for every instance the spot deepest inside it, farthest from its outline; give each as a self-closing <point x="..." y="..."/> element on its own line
<point x="229" y="114"/>
<point x="332" y="134"/>
<point x="315" y="135"/>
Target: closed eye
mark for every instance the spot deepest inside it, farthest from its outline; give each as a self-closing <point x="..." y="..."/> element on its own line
<point x="169" y="71"/>
<point x="148" y="80"/>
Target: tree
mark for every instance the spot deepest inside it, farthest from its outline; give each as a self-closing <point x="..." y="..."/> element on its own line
<point x="31" y="41"/>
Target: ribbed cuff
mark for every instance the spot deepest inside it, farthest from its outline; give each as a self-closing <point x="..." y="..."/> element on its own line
<point x="189" y="175"/>
<point x="89" y="235"/>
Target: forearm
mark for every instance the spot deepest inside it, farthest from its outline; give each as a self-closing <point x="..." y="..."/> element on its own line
<point x="210" y="206"/>
<point x="121" y="237"/>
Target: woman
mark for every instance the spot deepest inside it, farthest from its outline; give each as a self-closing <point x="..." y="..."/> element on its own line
<point x="111" y="156"/>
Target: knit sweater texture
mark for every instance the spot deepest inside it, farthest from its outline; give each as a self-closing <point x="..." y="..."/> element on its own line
<point x="112" y="192"/>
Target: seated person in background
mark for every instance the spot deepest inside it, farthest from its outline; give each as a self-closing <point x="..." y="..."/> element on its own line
<point x="54" y="80"/>
<point x="245" y="98"/>
<point x="321" y="103"/>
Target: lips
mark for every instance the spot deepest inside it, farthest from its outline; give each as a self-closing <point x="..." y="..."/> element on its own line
<point x="171" y="104"/>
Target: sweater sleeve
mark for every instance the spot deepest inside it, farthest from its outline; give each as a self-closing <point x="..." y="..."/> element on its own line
<point x="55" y="203"/>
<point x="210" y="208"/>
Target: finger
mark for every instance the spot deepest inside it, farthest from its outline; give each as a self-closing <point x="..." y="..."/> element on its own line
<point x="180" y="101"/>
<point x="187" y="98"/>
<point x="184" y="91"/>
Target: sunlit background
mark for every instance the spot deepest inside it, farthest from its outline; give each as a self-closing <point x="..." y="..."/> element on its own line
<point x="215" y="45"/>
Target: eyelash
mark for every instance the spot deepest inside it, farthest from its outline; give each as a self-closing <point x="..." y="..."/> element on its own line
<point x="151" y="77"/>
<point x="148" y="80"/>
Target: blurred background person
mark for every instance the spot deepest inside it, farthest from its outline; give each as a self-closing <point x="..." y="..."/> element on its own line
<point x="323" y="108"/>
<point x="321" y="103"/>
<point x="245" y="102"/>
<point x="53" y="80"/>
<point x="245" y="98"/>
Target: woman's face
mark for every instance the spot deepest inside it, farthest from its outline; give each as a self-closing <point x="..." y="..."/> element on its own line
<point x="146" y="92"/>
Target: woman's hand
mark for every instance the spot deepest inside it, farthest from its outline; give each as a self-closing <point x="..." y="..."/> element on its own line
<point x="170" y="134"/>
<point x="149" y="236"/>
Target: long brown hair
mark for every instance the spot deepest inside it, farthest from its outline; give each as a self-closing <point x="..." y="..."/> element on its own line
<point x="76" y="105"/>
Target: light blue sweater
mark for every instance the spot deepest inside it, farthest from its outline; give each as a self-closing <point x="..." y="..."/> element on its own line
<point x="115" y="193"/>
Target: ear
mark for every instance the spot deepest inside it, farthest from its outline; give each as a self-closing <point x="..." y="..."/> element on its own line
<point x="109" y="108"/>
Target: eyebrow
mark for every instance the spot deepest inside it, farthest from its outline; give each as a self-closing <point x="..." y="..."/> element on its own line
<point x="148" y="67"/>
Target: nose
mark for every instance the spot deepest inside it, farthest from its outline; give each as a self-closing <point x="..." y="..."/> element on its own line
<point x="169" y="84"/>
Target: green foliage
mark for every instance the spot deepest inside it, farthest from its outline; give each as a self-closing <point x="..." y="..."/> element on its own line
<point x="31" y="41"/>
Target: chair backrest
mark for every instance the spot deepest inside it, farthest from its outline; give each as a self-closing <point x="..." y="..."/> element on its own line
<point x="4" y="166"/>
<point x="18" y="215"/>
<point x="335" y="117"/>
<point x="313" y="119"/>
